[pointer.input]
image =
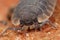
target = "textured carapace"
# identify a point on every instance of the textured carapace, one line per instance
(36, 12)
(29, 11)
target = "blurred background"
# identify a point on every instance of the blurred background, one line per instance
(47, 33)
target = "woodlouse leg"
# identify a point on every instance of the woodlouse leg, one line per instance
(24, 28)
(52, 24)
(19, 29)
(11, 28)
(3, 22)
(37, 26)
(1, 34)
(5, 29)
(32, 26)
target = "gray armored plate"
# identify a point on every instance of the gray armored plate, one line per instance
(31, 9)
(43, 10)
(47, 7)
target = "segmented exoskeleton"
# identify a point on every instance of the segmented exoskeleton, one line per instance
(28, 12)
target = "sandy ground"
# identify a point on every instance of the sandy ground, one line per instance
(47, 33)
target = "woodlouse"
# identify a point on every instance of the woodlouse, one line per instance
(36, 12)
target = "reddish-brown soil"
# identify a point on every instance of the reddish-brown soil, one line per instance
(47, 33)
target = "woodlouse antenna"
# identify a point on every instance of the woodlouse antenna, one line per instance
(3, 22)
